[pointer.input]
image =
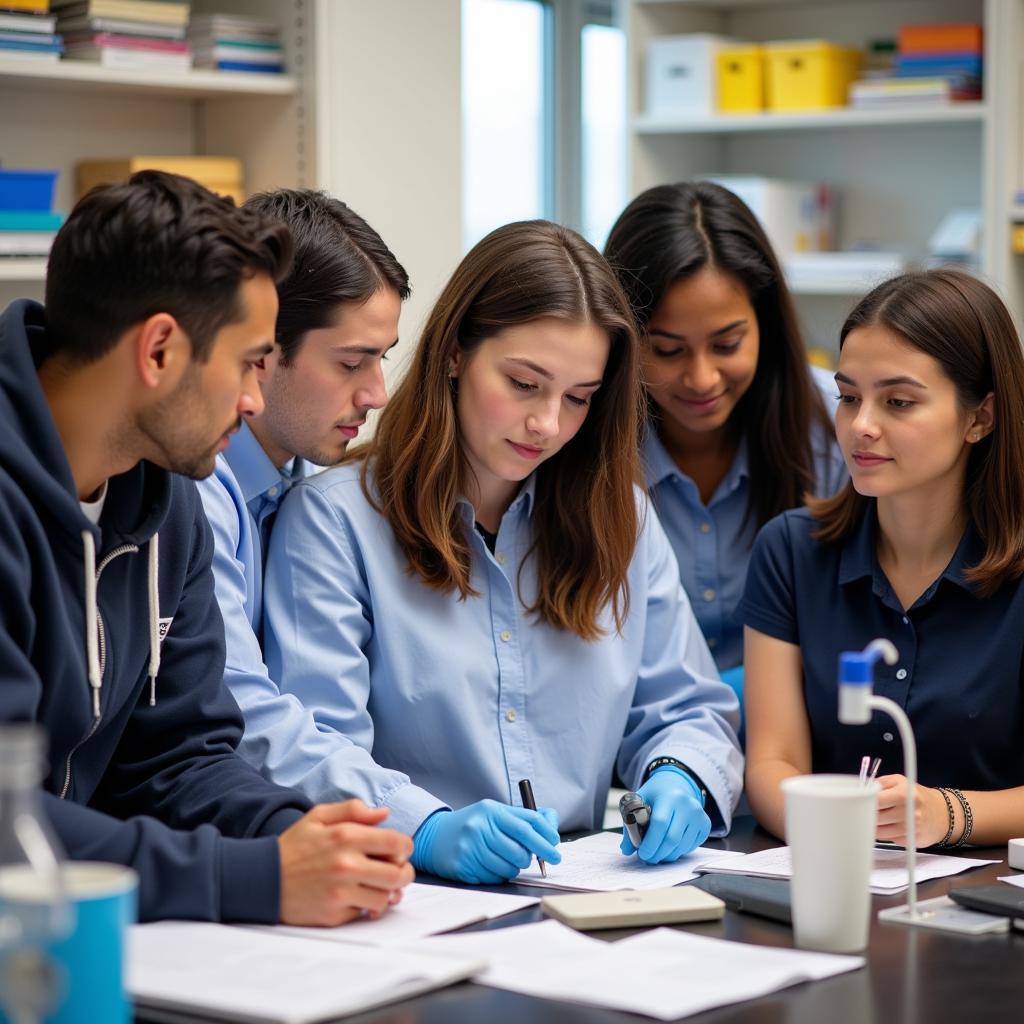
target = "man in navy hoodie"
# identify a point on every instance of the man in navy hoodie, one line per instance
(160, 303)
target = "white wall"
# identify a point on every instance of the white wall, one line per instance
(388, 96)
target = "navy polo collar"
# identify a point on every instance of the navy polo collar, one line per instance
(859, 557)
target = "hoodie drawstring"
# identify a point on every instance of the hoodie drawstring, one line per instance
(154, 615)
(92, 647)
(92, 626)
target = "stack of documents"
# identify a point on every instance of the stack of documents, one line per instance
(280, 973)
(596, 864)
(888, 874)
(424, 910)
(243, 974)
(661, 973)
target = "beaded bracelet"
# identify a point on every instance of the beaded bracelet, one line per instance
(952, 818)
(968, 818)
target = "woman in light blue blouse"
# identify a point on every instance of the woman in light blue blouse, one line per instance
(740, 426)
(482, 595)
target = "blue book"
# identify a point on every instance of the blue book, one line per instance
(241, 65)
(30, 220)
(938, 65)
(6, 44)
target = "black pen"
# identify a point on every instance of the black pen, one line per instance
(526, 792)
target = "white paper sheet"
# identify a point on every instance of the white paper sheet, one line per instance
(888, 875)
(596, 864)
(1017, 880)
(241, 974)
(424, 910)
(679, 974)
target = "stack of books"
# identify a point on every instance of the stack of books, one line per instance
(934, 64)
(220, 174)
(26, 31)
(140, 34)
(28, 224)
(234, 42)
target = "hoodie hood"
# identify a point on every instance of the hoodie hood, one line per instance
(136, 505)
(34, 456)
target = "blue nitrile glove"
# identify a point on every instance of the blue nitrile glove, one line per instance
(678, 823)
(486, 842)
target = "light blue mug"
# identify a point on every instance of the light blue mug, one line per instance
(86, 966)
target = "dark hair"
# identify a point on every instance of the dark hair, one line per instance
(585, 517)
(338, 258)
(963, 325)
(672, 232)
(159, 244)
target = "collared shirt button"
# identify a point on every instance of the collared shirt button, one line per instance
(506, 636)
(273, 491)
(887, 736)
(705, 527)
(906, 621)
(901, 673)
(510, 715)
(709, 595)
(500, 556)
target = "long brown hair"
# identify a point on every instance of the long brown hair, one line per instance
(585, 517)
(963, 325)
(671, 232)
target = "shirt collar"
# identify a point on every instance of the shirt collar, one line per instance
(524, 499)
(252, 467)
(859, 557)
(658, 465)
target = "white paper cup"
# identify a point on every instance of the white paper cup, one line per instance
(830, 828)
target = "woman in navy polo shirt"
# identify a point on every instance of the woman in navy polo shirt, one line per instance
(740, 426)
(925, 546)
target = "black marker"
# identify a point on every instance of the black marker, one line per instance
(526, 792)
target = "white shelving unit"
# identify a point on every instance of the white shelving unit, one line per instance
(195, 84)
(844, 117)
(52, 116)
(897, 171)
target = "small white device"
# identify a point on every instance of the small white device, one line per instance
(633, 909)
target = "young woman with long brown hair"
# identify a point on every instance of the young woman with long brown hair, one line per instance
(924, 547)
(740, 426)
(482, 596)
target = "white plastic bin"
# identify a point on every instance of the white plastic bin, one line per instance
(682, 75)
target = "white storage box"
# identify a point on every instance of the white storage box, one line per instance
(681, 74)
(797, 216)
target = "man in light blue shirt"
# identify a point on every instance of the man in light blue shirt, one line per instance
(338, 318)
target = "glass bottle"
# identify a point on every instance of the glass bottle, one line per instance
(33, 908)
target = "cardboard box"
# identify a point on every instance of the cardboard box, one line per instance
(220, 174)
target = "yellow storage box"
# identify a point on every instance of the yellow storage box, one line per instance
(809, 75)
(220, 174)
(740, 80)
